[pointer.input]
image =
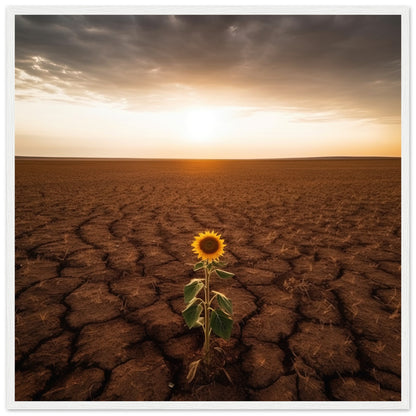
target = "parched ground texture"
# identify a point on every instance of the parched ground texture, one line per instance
(103, 253)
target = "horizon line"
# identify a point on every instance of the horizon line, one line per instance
(207, 159)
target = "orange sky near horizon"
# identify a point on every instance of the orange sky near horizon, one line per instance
(219, 87)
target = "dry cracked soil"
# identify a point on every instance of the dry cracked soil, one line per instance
(102, 253)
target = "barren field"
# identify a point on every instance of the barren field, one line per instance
(103, 251)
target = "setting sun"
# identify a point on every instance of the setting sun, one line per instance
(201, 125)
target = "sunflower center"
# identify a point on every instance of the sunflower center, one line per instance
(209, 245)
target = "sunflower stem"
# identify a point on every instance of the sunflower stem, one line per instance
(207, 331)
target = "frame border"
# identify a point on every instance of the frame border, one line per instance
(404, 12)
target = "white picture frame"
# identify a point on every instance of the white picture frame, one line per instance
(108, 10)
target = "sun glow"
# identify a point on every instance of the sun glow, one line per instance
(201, 125)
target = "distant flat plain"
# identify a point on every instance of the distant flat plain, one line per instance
(103, 250)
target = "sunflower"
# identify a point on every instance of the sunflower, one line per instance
(208, 245)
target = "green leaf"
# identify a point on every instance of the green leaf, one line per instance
(223, 274)
(199, 266)
(192, 289)
(191, 314)
(221, 324)
(224, 303)
(219, 264)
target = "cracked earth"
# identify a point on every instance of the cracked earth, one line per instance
(103, 253)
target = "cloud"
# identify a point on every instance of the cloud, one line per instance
(341, 64)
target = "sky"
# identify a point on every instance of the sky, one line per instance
(200, 86)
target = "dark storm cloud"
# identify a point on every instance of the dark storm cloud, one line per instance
(343, 63)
